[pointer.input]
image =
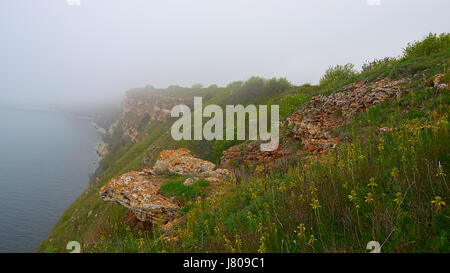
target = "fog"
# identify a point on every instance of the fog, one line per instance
(52, 52)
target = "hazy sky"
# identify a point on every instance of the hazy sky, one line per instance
(54, 52)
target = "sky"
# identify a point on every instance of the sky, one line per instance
(75, 51)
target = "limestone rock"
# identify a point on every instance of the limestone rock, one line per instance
(439, 84)
(102, 149)
(314, 122)
(181, 162)
(140, 194)
(312, 125)
(189, 181)
(217, 175)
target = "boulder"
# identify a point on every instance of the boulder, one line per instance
(217, 175)
(140, 194)
(182, 162)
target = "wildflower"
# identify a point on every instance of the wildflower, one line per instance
(440, 170)
(345, 185)
(315, 204)
(394, 172)
(369, 198)
(313, 188)
(399, 199)
(381, 144)
(312, 240)
(353, 196)
(141, 243)
(372, 183)
(228, 244)
(301, 231)
(438, 203)
(262, 244)
(238, 241)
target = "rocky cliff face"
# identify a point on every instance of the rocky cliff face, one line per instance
(142, 106)
(313, 124)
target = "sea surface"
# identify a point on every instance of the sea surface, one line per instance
(45, 162)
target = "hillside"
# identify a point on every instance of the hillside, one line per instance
(363, 157)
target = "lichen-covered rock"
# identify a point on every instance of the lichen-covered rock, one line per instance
(217, 175)
(140, 194)
(313, 124)
(439, 84)
(189, 181)
(181, 162)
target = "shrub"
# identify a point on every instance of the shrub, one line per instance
(291, 103)
(337, 76)
(377, 63)
(430, 45)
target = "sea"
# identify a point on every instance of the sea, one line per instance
(45, 162)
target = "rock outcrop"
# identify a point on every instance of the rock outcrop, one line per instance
(217, 175)
(313, 124)
(140, 191)
(181, 162)
(102, 149)
(439, 83)
(144, 105)
(140, 194)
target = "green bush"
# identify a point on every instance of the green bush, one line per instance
(377, 63)
(337, 76)
(430, 45)
(291, 103)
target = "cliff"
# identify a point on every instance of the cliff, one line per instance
(142, 106)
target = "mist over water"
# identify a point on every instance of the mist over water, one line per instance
(45, 160)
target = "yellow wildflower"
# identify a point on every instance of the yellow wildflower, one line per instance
(369, 198)
(315, 204)
(372, 183)
(438, 203)
(311, 240)
(301, 231)
(353, 196)
(399, 199)
(395, 172)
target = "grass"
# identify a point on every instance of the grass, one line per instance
(184, 193)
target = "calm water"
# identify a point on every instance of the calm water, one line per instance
(45, 160)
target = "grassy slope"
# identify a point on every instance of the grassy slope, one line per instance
(262, 213)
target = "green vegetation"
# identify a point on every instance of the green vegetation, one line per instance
(338, 76)
(386, 182)
(182, 192)
(432, 44)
